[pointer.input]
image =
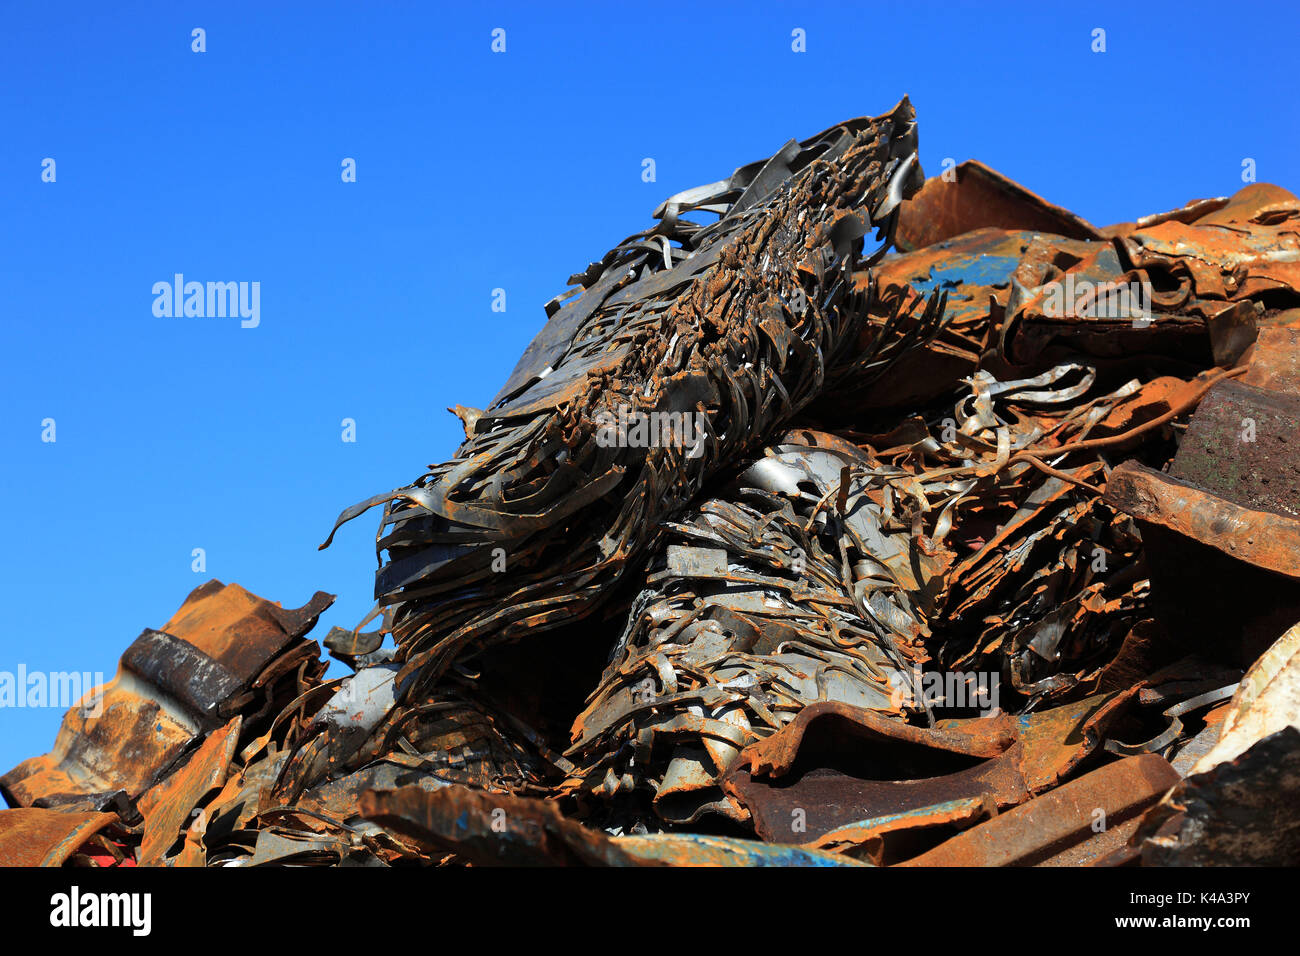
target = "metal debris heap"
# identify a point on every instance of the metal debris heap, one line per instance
(779, 547)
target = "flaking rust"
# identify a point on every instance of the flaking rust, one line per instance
(839, 518)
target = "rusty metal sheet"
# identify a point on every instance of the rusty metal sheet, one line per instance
(1045, 828)
(888, 839)
(1275, 360)
(238, 630)
(972, 196)
(166, 808)
(500, 830)
(846, 778)
(1241, 445)
(38, 837)
(1239, 260)
(1264, 539)
(168, 693)
(104, 761)
(1189, 212)
(776, 755)
(491, 829)
(974, 271)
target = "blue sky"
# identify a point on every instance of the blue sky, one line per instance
(475, 171)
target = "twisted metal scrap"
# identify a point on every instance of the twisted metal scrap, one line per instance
(1056, 583)
(739, 322)
(769, 659)
(823, 573)
(786, 590)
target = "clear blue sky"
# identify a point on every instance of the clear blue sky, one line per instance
(475, 171)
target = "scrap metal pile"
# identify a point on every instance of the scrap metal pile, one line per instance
(842, 517)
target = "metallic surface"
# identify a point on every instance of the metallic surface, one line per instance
(781, 547)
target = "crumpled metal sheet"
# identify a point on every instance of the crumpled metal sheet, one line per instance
(864, 784)
(972, 197)
(746, 637)
(225, 652)
(501, 830)
(167, 807)
(786, 590)
(1062, 826)
(1262, 538)
(1220, 264)
(740, 322)
(31, 836)
(974, 270)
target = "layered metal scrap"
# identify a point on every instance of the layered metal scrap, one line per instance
(742, 322)
(781, 548)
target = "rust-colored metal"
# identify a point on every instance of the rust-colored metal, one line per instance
(1275, 360)
(843, 777)
(877, 557)
(1048, 826)
(490, 829)
(1241, 445)
(166, 808)
(775, 755)
(972, 196)
(1239, 812)
(35, 837)
(1263, 539)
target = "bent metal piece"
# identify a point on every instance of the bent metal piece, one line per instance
(723, 330)
(1050, 825)
(37, 837)
(225, 652)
